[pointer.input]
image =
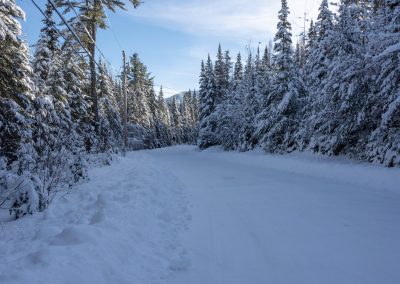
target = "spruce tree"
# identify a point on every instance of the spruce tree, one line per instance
(76, 83)
(220, 77)
(207, 122)
(164, 120)
(140, 84)
(279, 118)
(176, 121)
(320, 56)
(384, 142)
(110, 137)
(46, 47)
(250, 104)
(346, 131)
(16, 117)
(232, 119)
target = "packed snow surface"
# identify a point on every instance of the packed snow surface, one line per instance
(122, 226)
(178, 215)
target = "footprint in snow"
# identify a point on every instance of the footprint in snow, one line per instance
(98, 217)
(73, 236)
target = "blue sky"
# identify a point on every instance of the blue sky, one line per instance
(173, 36)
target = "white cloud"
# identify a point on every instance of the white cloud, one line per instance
(228, 19)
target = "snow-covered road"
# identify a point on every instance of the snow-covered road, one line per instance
(286, 219)
(181, 216)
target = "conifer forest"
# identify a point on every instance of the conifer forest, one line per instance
(335, 92)
(60, 109)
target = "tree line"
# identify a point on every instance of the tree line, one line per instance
(337, 92)
(60, 110)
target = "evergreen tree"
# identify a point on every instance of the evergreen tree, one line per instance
(15, 71)
(46, 47)
(56, 140)
(237, 74)
(279, 119)
(76, 85)
(384, 141)
(220, 77)
(18, 183)
(227, 71)
(251, 104)
(207, 123)
(164, 120)
(320, 56)
(186, 118)
(176, 121)
(162, 107)
(232, 118)
(194, 109)
(311, 39)
(140, 84)
(110, 122)
(346, 130)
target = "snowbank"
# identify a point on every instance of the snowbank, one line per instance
(121, 227)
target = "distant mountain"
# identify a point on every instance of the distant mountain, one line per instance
(179, 97)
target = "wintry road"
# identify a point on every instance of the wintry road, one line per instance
(259, 219)
(252, 219)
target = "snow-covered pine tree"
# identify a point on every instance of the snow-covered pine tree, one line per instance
(15, 70)
(347, 129)
(320, 56)
(176, 122)
(76, 82)
(18, 183)
(297, 55)
(140, 116)
(207, 123)
(164, 120)
(186, 118)
(233, 116)
(110, 128)
(139, 85)
(250, 104)
(194, 110)
(55, 134)
(227, 71)
(279, 119)
(221, 78)
(45, 49)
(310, 40)
(237, 74)
(264, 77)
(223, 68)
(81, 116)
(384, 142)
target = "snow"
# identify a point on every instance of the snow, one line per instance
(178, 97)
(180, 215)
(121, 227)
(260, 218)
